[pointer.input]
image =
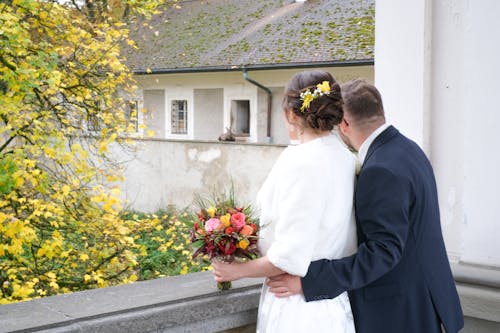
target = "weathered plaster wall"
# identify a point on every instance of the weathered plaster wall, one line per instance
(164, 172)
(208, 113)
(154, 119)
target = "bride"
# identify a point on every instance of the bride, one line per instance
(306, 206)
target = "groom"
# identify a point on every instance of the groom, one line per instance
(400, 279)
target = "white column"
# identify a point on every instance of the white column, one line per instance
(402, 63)
(481, 127)
(437, 67)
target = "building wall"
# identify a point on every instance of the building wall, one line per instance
(171, 172)
(438, 72)
(208, 107)
(205, 118)
(279, 132)
(466, 91)
(447, 103)
(154, 119)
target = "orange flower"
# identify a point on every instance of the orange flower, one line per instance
(246, 230)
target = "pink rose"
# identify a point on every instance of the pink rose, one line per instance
(212, 224)
(238, 220)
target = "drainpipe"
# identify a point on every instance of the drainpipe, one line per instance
(269, 101)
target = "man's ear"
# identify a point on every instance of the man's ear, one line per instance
(343, 126)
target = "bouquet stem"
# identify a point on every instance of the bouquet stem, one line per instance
(224, 285)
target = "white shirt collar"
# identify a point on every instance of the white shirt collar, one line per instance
(363, 150)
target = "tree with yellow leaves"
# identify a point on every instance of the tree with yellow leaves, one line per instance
(63, 102)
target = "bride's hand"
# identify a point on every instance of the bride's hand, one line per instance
(224, 272)
(284, 285)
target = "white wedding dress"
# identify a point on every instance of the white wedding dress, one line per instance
(306, 213)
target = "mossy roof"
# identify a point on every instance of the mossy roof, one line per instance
(201, 34)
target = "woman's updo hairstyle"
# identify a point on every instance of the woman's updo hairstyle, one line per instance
(324, 111)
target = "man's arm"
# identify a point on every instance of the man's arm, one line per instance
(382, 207)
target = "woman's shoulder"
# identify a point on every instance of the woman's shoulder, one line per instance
(318, 153)
(325, 147)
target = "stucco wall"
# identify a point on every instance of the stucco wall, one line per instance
(208, 110)
(164, 172)
(154, 103)
(279, 132)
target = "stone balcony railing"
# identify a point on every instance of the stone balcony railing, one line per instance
(185, 303)
(192, 303)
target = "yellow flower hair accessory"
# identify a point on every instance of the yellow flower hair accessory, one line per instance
(307, 96)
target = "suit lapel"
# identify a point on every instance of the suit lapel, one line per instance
(383, 137)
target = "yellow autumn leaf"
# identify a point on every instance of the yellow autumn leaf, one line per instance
(13, 228)
(21, 292)
(65, 190)
(103, 147)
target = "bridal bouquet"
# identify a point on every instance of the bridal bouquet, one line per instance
(224, 231)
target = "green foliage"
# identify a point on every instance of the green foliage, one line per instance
(7, 169)
(164, 244)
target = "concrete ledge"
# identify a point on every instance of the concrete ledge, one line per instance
(186, 303)
(480, 275)
(480, 302)
(212, 142)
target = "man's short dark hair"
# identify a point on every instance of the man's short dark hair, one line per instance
(362, 100)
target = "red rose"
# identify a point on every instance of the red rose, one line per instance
(229, 231)
(254, 227)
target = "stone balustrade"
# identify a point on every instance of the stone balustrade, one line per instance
(185, 303)
(192, 303)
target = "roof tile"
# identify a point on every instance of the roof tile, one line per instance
(216, 33)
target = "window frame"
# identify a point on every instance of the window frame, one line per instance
(181, 93)
(250, 95)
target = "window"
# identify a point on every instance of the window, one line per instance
(132, 114)
(240, 117)
(178, 119)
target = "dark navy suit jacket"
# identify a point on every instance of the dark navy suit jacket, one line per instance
(400, 279)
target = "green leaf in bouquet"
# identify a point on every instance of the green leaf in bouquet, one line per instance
(198, 243)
